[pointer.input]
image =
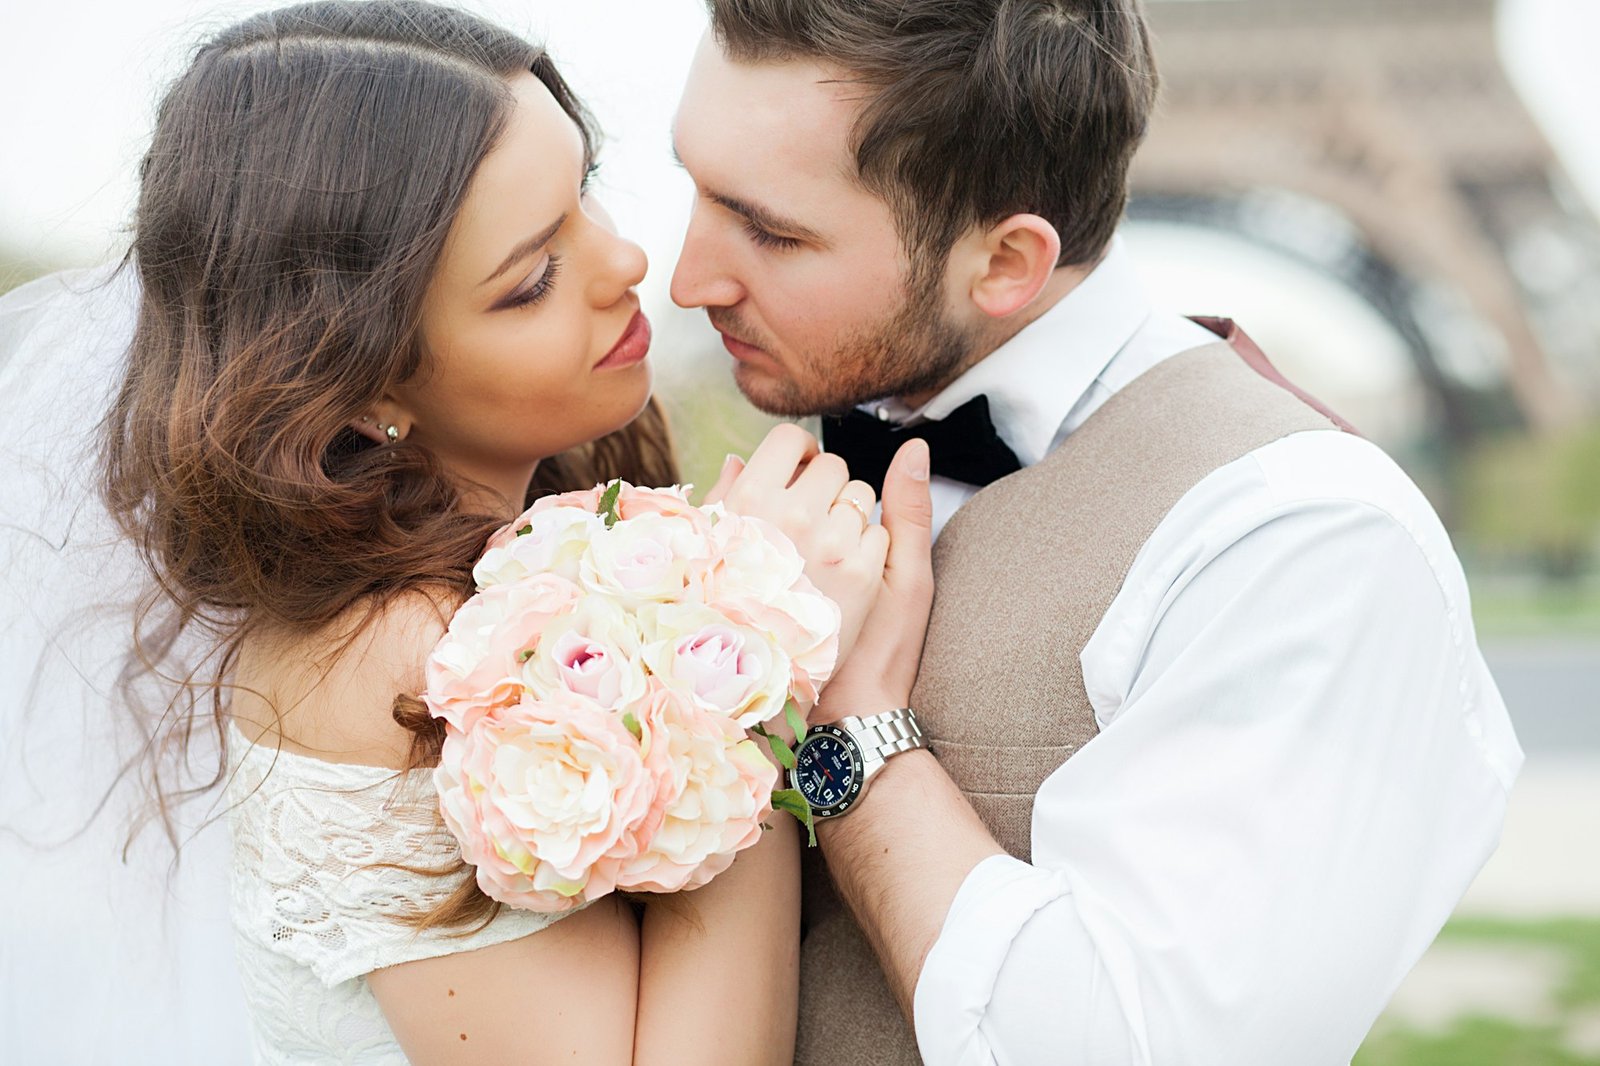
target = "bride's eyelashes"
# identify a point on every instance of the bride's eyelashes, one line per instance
(539, 289)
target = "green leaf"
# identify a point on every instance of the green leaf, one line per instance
(608, 503)
(780, 749)
(632, 725)
(790, 799)
(524, 655)
(797, 721)
(525, 530)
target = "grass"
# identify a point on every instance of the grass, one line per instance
(1478, 1039)
(1473, 1041)
(1501, 609)
(1578, 939)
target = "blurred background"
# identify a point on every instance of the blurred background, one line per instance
(1396, 198)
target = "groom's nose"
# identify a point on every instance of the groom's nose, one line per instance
(703, 277)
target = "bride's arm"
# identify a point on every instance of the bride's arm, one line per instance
(566, 994)
(709, 977)
(719, 974)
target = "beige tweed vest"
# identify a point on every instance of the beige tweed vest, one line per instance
(1023, 573)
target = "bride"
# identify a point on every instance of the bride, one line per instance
(379, 313)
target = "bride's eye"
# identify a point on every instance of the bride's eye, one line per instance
(540, 287)
(589, 174)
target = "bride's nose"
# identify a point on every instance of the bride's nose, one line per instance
(621, 265)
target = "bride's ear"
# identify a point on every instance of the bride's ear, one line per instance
(1019, 256)
(385, 424)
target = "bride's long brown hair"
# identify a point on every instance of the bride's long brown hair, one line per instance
(303, 177)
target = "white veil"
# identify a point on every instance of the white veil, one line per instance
(101, 959)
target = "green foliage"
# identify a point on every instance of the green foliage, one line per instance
(18, 268)
(780, 749)
(1474, 1041)
(1576, 938)
(796, 720)
(1536, 498)
(608, 503)
(789, 799)
(1479, 1038)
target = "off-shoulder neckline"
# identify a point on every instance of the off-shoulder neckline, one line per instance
(248, 749)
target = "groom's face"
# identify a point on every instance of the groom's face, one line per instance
(799, 267)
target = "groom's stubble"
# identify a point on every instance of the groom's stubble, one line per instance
(916, 348)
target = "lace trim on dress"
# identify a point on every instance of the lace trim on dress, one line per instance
(310, 840)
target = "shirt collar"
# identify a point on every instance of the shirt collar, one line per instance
(1034, 379)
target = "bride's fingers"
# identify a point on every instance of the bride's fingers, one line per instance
(875, 547)
(858, 497)
(816, 490)
(732, 467)
(772, 465)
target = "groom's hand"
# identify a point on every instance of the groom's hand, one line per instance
(882, 669)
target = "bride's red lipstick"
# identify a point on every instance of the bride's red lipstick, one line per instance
(631, 347)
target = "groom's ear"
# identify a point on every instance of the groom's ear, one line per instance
(1013, 261)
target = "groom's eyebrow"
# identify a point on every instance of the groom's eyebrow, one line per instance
(767, 220)
(758, 215)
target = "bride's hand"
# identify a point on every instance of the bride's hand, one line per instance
(881, 576)
(809, 496)
(881, 670)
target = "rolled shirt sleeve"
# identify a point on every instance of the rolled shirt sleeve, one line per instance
(1301, 766)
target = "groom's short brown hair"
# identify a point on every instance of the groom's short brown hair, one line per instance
(976, 109)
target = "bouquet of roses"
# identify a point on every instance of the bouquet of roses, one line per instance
(599, 691)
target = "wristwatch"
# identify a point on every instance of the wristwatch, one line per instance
(834, 762)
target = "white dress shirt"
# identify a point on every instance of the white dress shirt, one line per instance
(1302, 759)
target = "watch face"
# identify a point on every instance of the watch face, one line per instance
(828, 770)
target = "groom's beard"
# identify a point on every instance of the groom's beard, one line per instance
(915, 348)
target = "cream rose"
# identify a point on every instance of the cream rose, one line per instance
(713, 790)
(645, 559)
(549, 540)
(475, 668)
(547, 800)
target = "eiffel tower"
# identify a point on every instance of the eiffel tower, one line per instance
(1379, 141)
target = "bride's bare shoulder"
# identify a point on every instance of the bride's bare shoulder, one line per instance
(330, 694)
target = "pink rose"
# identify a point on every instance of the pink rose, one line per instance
(547, 800)
(671, 503)
(721, 667)
(592, 651)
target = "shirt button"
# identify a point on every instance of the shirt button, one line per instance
(883, 414)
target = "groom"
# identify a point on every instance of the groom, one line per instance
(1212, 753)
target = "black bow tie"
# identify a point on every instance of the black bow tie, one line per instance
(962, 446)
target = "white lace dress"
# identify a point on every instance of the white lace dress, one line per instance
(313, 914)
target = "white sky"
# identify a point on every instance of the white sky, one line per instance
(79, 80)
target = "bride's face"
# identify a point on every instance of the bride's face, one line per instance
(534, 338)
